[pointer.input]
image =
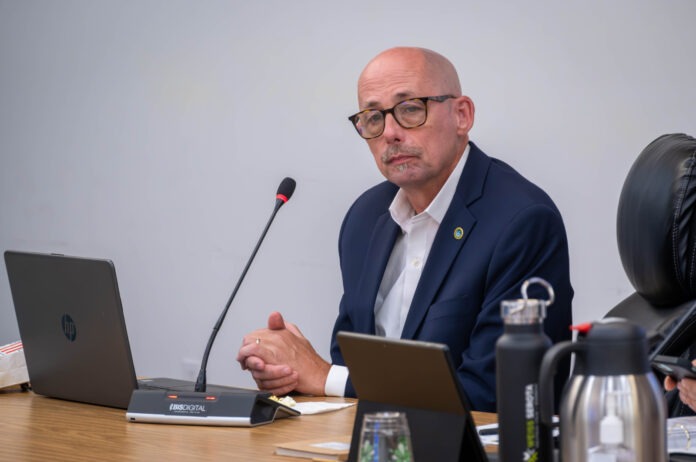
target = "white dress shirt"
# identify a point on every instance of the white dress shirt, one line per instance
(405, 265)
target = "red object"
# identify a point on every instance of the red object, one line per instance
(583, 328)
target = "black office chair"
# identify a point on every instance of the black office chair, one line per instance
(656, 233)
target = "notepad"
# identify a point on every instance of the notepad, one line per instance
(322, 448)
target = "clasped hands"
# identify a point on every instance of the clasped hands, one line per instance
(282, 360)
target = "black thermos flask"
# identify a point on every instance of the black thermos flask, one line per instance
(519, 352)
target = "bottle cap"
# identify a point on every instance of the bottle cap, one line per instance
(527, 310)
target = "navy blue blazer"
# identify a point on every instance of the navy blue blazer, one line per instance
(512, 231)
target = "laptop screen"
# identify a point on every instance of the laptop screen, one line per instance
(71, 323)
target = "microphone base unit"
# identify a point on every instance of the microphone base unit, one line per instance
(245, 408)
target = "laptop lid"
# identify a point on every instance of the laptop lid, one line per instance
(413, 375)
(71, 324)
(76, 346)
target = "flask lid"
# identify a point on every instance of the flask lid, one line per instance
(527, 310)
(615, 346)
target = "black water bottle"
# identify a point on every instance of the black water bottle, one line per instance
(519, 352)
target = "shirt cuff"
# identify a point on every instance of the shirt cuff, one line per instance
(336, 381)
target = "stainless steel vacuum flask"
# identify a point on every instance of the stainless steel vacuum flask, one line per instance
(614, 409)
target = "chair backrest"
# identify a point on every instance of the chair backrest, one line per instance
(656, 233)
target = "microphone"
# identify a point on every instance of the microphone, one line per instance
(233, 407)
(284, 193)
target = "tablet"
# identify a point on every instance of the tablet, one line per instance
(417, 378)
(403, 372)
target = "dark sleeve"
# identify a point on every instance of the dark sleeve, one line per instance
(533, 244)
(343, 321)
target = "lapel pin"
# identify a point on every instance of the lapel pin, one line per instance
(458, 233)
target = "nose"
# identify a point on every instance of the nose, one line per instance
(393, 132)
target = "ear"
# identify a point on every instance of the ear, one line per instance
(465, 109)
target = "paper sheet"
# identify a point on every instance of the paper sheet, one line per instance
(319, 407)
(13, 368)
(681, 435)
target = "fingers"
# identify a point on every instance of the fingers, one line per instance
(687, 392)
(251, 363)
(274, 375)
(278, 380)
(294, 329)
(669, 383)
(254, 345)
(250, 354)
(687, 389)
(281, 359)
(249, 350)
(254, 363)
(275, 321)
(686, 400)
(278, 391)
(264, 349)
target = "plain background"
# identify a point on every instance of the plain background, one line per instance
(155, 133)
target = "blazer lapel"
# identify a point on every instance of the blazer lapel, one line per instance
(380, 248)
(449, 240)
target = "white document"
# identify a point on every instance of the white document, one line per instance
(681, 435)
(13, 367)
(319, 407)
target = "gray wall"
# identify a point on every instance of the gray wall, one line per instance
(154, 133)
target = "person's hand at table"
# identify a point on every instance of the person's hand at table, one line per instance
(282, 360)
(686, 387)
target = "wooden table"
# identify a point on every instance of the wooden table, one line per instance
(35, 428)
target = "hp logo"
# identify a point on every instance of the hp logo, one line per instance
(69, 328)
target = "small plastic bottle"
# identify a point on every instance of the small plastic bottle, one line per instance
(611, 446)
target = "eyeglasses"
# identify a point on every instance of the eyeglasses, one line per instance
(409, 113)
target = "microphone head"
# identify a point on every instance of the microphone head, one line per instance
(285, 189)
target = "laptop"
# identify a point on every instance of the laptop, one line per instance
(72, 327)
(418, 378)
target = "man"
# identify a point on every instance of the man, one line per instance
(430, 253)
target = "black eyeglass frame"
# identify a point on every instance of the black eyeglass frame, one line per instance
(424, 99)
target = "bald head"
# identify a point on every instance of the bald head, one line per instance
(399, 64)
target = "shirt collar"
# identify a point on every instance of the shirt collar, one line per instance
(402, 212)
